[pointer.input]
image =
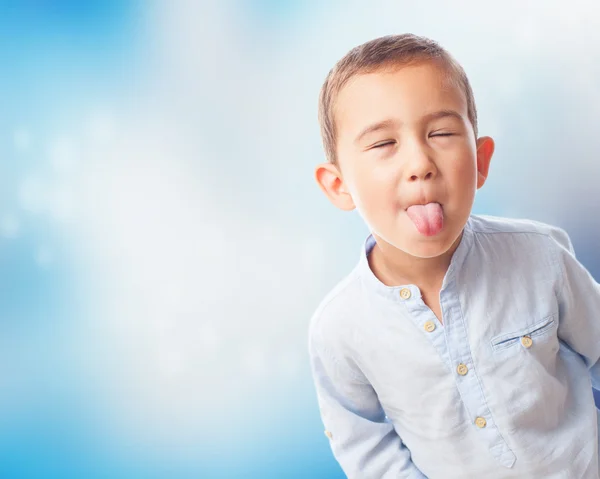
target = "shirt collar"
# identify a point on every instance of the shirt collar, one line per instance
(373, 284)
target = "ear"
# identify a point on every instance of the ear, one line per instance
(485, 150)
(329, 179)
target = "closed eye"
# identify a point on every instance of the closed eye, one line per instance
(443, 134)
(380, 145)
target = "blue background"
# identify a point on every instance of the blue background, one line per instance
(162, 241)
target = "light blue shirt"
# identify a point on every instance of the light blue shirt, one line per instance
(501, 389)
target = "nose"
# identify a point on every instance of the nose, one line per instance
(420, 165)
(422, 176)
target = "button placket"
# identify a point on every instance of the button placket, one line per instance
(424, 319)
(467, 382)
(418, 306)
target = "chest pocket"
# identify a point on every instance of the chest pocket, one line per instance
(526, 337)
(526, 362)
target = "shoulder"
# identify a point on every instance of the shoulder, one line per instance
(335, 315)
(499, 224)
(530, 231)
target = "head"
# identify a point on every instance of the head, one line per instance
(399, 128)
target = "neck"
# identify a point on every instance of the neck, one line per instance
(394, 267)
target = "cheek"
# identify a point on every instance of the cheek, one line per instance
(463, 172)
(375, 192)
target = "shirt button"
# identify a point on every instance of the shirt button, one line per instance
(328, 434)
(480, 422)
(429, 326)
(405, 293)
(462, 369)
(526, 341)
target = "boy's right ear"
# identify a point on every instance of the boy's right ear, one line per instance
(330, 181)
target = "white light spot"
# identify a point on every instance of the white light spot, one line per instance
(9, 226)
(62, 153)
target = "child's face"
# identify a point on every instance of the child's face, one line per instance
(406, 162)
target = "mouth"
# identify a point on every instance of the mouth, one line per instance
(428, 218)
(423, 203)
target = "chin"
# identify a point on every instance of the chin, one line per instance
(431, 246)
(431, 250)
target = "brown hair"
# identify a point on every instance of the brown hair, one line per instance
(388, 52)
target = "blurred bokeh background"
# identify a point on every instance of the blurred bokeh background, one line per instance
(162, 241)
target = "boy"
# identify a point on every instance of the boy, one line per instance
(461, 346)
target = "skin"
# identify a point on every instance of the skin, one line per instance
(406, 162)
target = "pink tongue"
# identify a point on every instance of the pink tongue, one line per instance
(428, 218)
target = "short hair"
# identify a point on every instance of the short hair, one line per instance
(385, 53)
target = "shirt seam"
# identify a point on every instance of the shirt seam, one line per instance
(475, 230)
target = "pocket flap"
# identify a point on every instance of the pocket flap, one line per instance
(534, 330)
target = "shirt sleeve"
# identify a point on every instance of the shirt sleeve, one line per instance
(579, 306)
(362, 439)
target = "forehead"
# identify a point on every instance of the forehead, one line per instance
(405, 93)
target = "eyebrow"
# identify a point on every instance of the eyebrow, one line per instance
(382, 125)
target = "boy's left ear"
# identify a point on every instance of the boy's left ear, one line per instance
(485, 150)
